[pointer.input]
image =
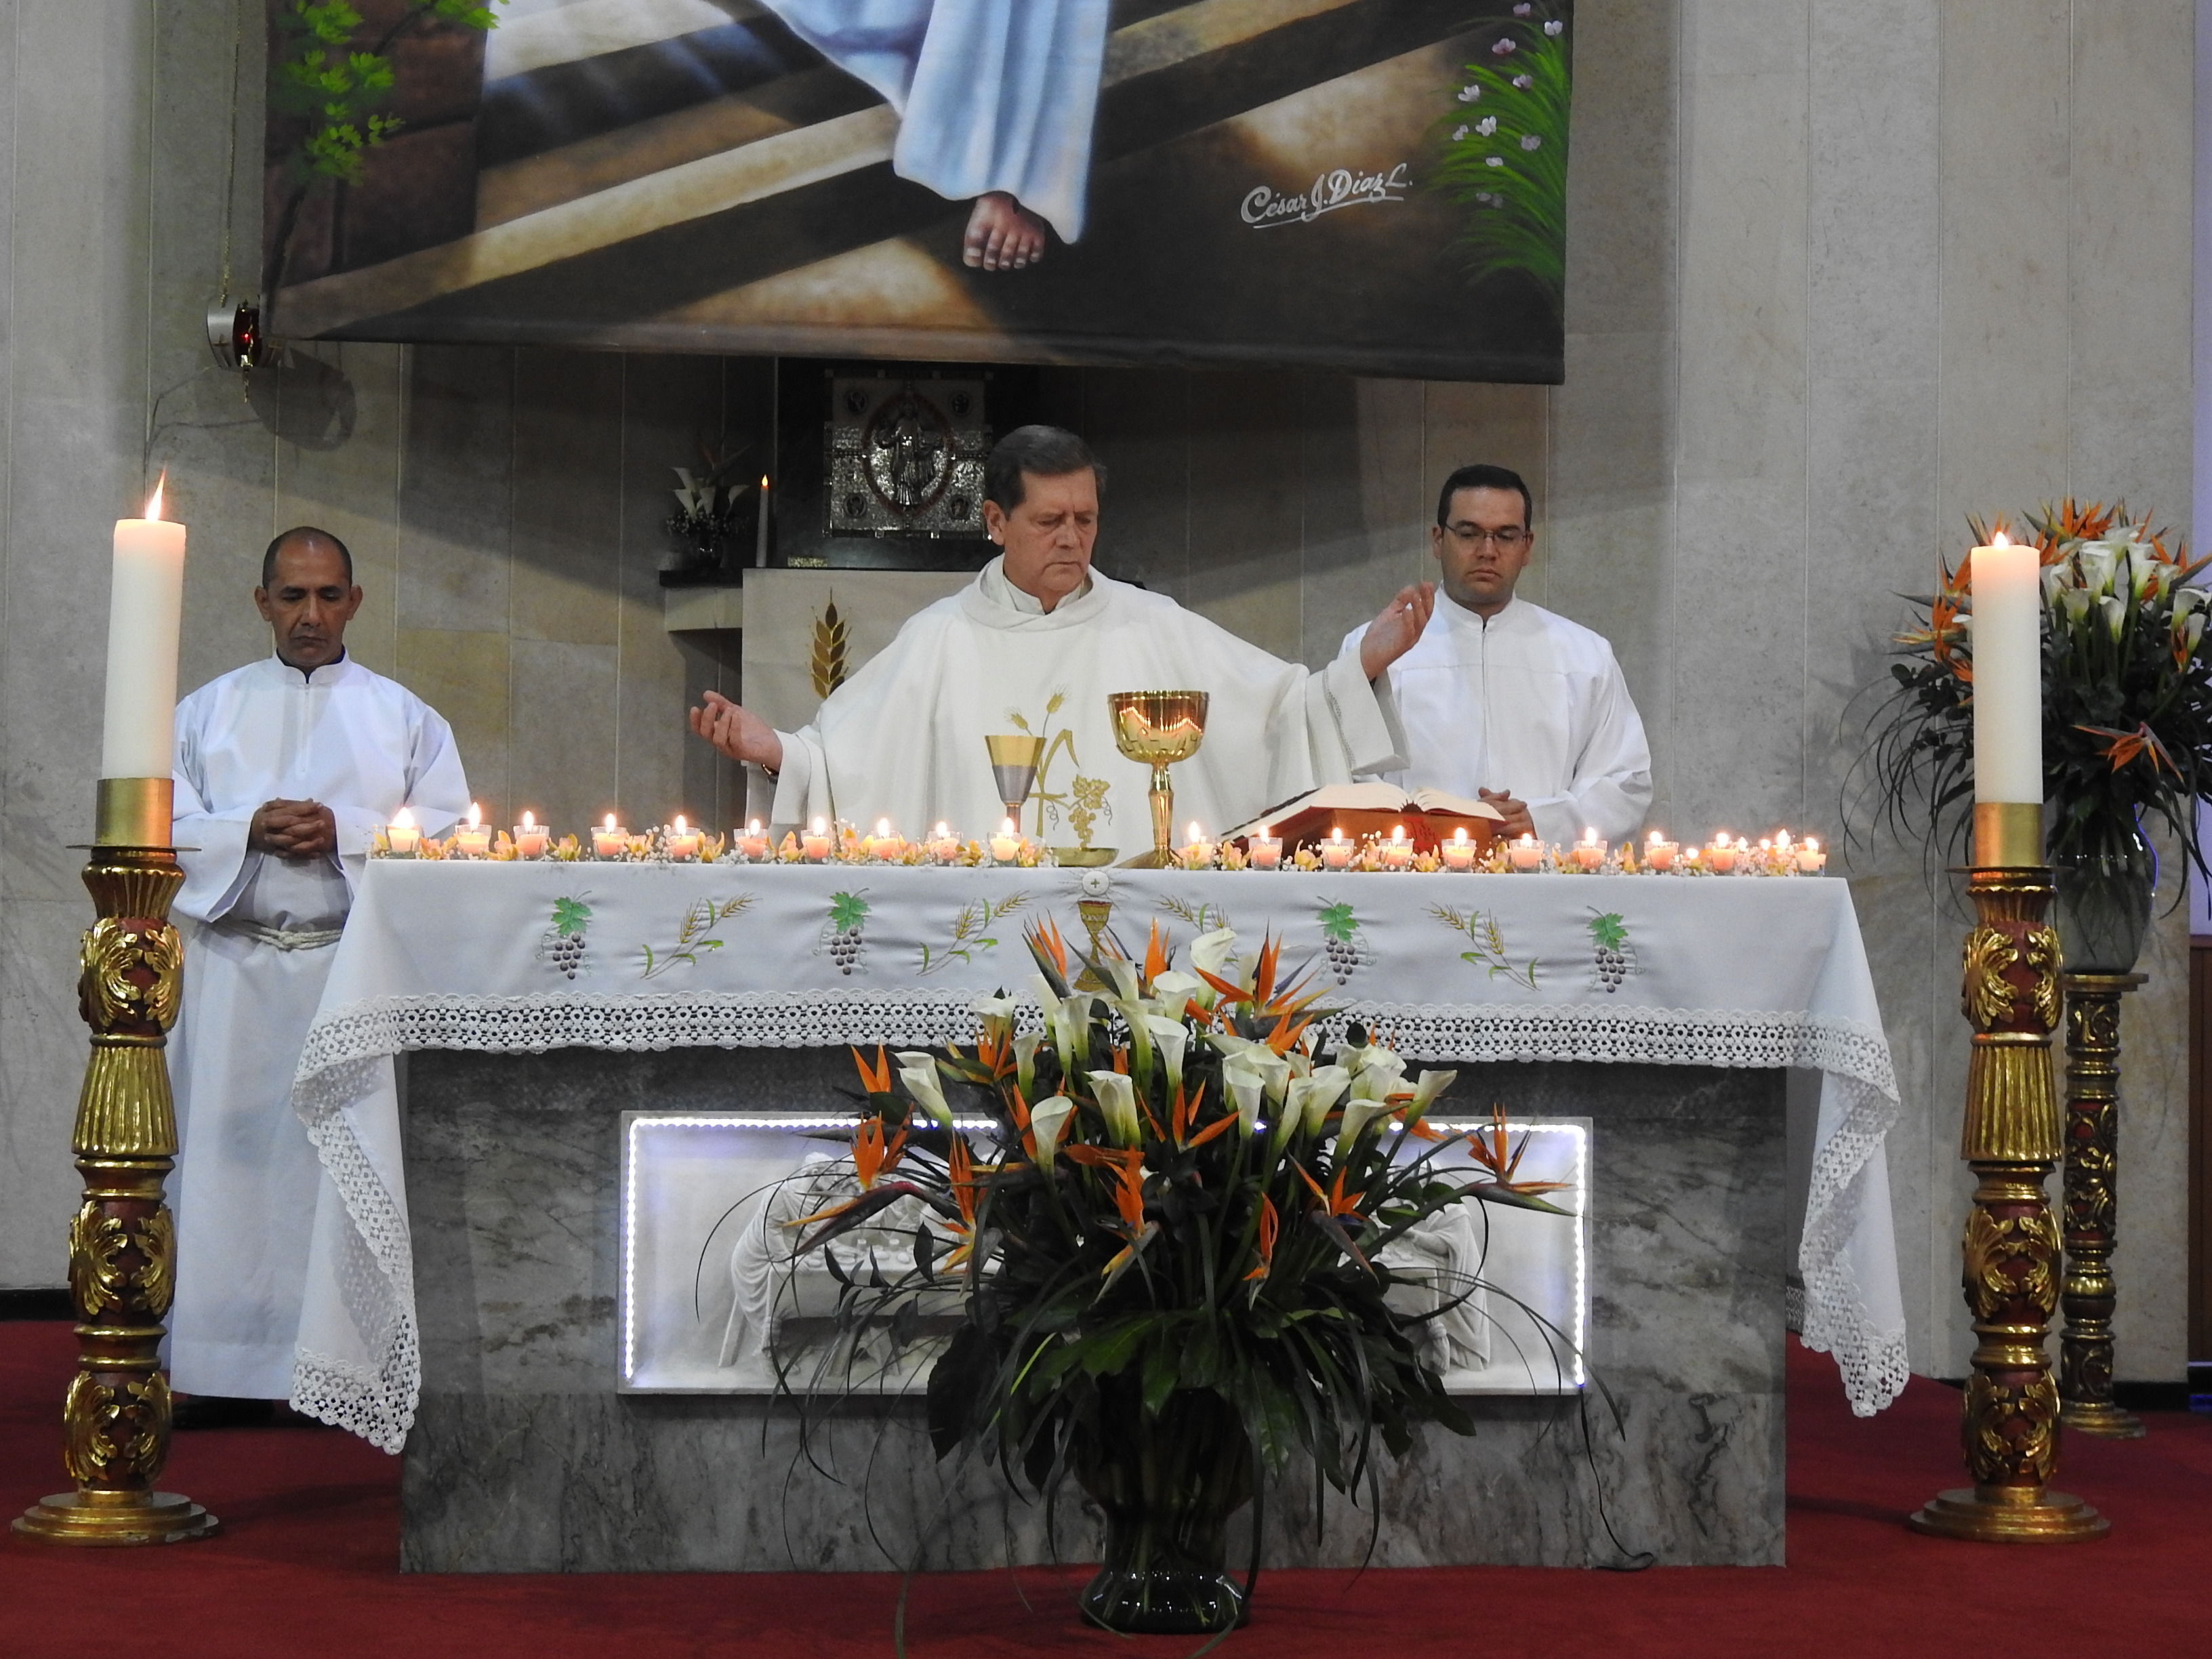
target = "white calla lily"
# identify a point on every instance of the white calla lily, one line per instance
(1426, 1088)
(1215, 953)
(1048, 1118)
(1323, 1090)
(2115, 613)
(2095, 561)
(919, 1072)
(1025, 1047)
(1171, 1038)
(1123, 973)
(1117, 1103)
(1246, 1086)
(1357, 1114)
(1172, 990)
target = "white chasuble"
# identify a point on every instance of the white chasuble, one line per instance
(258, 932)
(904, 738)
(1528, 702)
(990, 94)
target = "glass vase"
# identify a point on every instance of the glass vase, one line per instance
(1169, 1486)
(2104, 904)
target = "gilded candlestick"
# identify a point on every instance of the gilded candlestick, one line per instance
(2092, 1204)
(2009, 1415)
(123, 1253)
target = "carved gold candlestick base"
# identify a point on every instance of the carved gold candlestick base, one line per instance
(2009, 1415)
(2092, 1204)
(123, 1254)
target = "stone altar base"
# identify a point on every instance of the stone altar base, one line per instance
(524, 1458)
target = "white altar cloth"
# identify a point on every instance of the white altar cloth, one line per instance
(1689, 971)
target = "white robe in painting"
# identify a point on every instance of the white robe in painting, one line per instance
(904, 738)
(990, 94)
(258, 932)
(1525, 701)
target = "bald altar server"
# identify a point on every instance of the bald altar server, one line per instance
(283, 770)
(1505, 700)
(1037, 642)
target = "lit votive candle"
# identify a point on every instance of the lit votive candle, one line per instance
(1459, 852)
(752, 845)
(943, 845)
(1589, 850)
(1265, 850)
(1336, 852)
(1397, 853)
(1527, 853)
(1720, 856)
(1811, 860)
(530, 838)
(1659, 852)
(1196, 851)
(472, 838)
(403, 836)
(815, 843)
(1007, 845)
(681, 841)
(887, 846)
(609, 839)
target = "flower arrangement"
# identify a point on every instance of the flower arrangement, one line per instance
(2127, 691)
(1174, 1248)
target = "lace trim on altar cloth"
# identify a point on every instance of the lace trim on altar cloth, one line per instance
(376, 1400)
(374, 1397)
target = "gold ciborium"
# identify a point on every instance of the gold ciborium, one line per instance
(1014, 762)
(1157, 729)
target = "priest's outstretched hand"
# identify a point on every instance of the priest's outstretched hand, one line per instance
(1396, 630)
(737, 731)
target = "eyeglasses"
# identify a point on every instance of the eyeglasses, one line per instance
(1474, 535)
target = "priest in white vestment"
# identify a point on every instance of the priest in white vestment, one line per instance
(1507, 701)
(995, 100)
(284, 768)
(1037, 644)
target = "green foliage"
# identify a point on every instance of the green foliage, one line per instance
(1504, 153)
(570, 916)
(322, 74)
(847, 912)
(1608, 931)
(1337, 922)
(2127, 693)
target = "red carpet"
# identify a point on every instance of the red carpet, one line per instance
(304, 1567)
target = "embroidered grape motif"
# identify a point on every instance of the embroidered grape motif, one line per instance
(1616, 958)
(840, 935)
(564, 942)
(1341, 935)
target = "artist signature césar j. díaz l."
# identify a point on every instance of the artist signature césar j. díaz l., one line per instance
(1340, 187)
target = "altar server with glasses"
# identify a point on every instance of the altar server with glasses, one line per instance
(1504, 699)
(285, 770)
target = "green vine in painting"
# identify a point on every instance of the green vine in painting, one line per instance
(1504, 153)
(322, 72)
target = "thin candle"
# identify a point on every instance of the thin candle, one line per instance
(2008, 704)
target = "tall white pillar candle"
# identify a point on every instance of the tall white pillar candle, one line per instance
(145, 608)
(2008, 674)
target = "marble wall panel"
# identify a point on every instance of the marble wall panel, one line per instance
(565, 532)
(1362, 475)
(467, 677)
(1245, 506)
(524, 1460)
(564, 742)
(1138, 421)
(456, 493)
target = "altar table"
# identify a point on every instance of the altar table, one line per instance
(1712, 971)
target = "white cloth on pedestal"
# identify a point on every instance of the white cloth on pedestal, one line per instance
(904, 738)
(990, 94)
(1528, 703)
(258, 931)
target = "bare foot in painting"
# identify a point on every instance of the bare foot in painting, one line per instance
(1002, 234)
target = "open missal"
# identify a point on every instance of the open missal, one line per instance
(1360, 810)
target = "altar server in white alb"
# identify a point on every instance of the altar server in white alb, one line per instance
(1039, 640)
(995, 100)
(284, 768)
(1505, 701)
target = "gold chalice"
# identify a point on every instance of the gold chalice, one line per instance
(1157, 729)
(1014, 762)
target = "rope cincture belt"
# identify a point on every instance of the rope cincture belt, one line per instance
(308, 939)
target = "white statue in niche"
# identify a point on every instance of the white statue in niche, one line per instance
(1445, 1251)
(773, 1284)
